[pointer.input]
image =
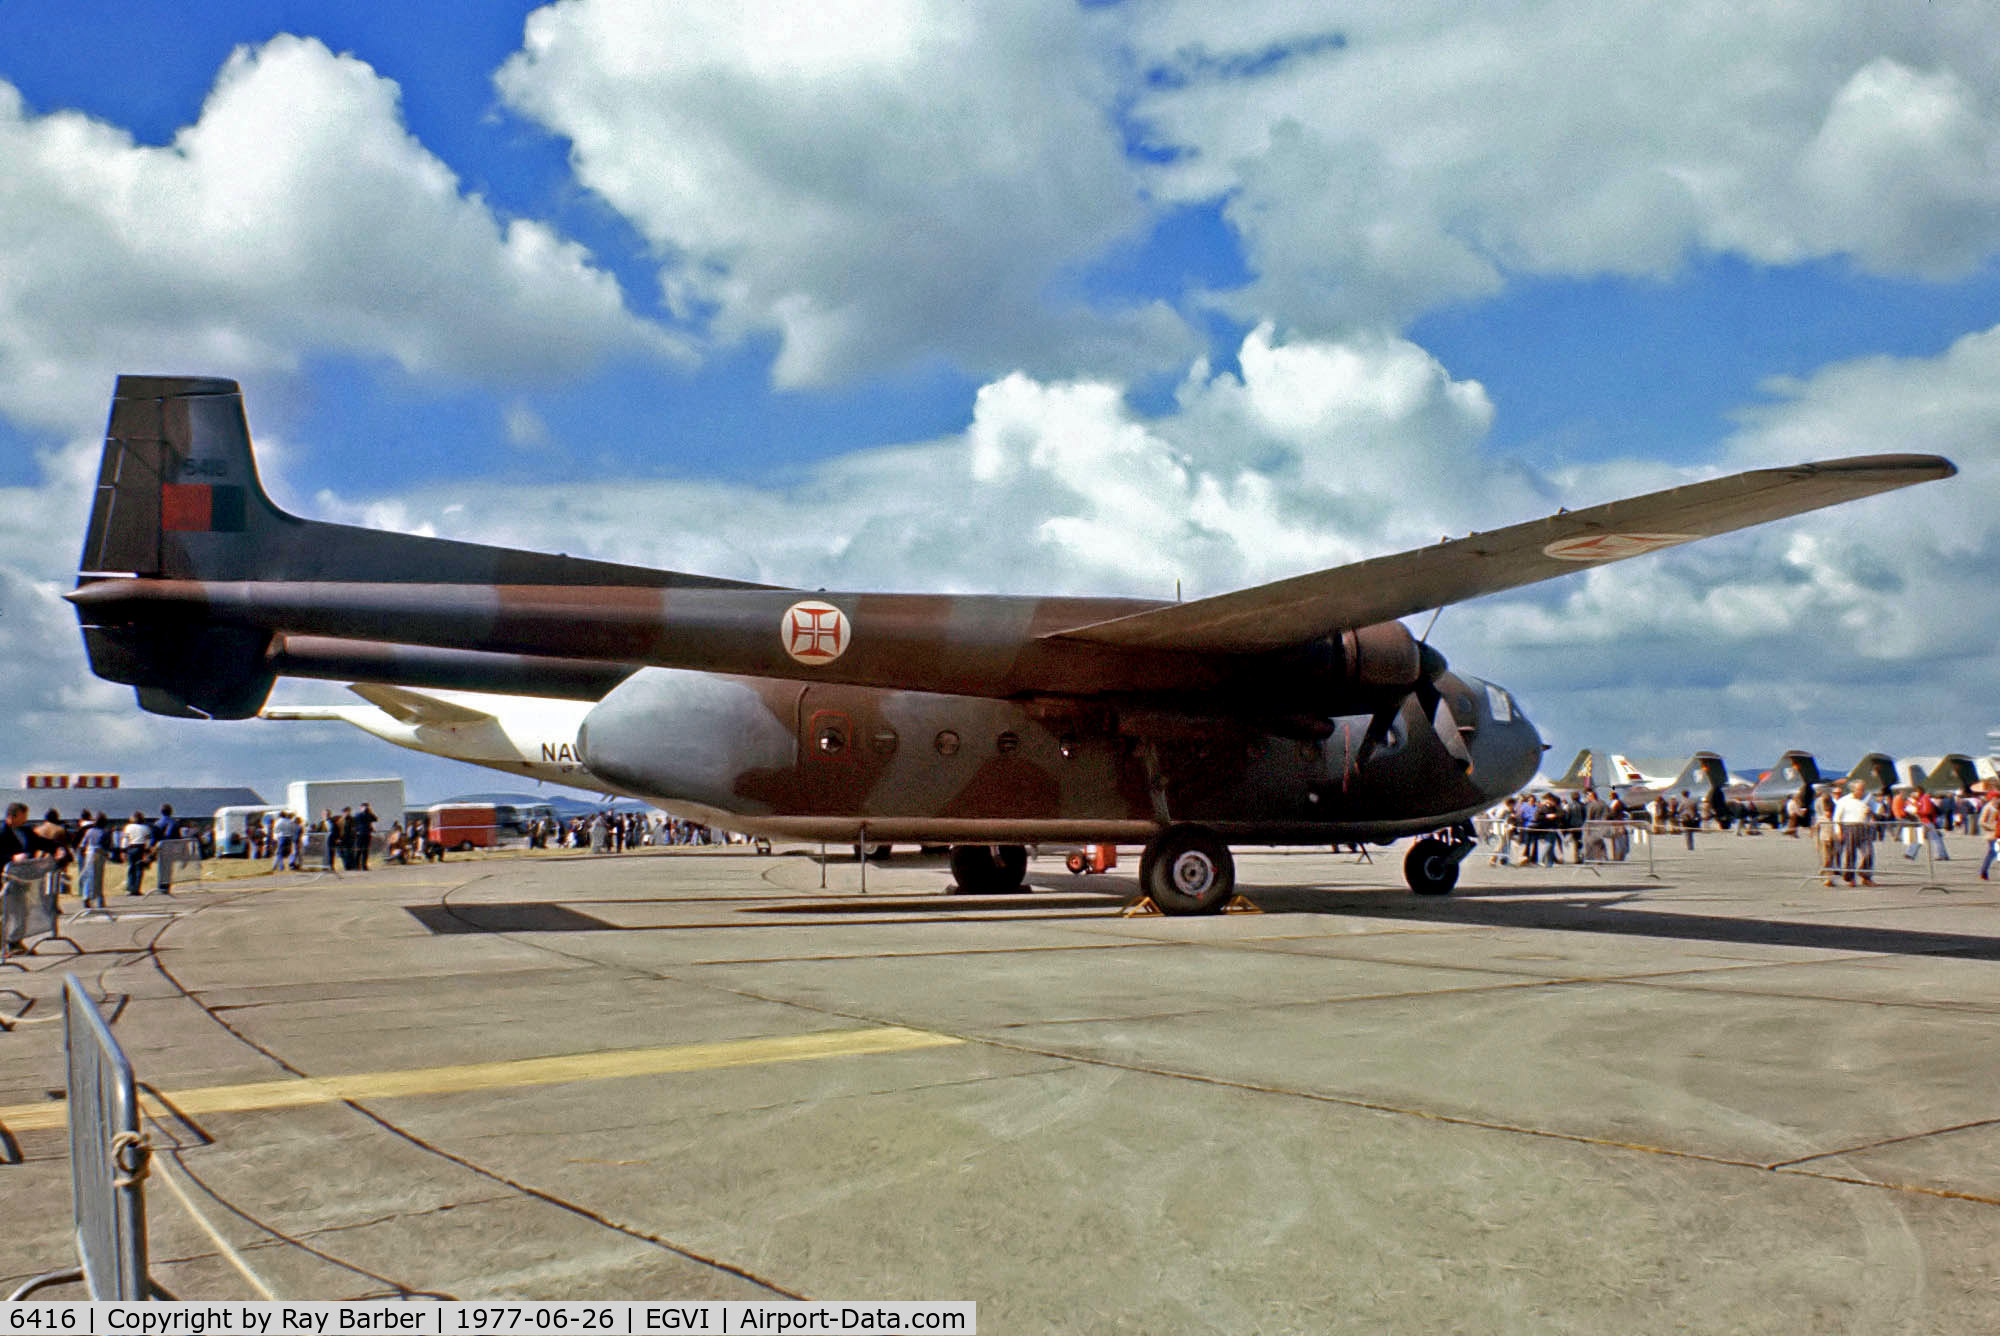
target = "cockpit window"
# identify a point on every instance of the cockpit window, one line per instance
(1497, 702)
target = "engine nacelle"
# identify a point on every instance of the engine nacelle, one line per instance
(1358, 670)
(1382, 655)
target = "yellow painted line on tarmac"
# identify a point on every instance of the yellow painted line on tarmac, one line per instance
(294, 1093)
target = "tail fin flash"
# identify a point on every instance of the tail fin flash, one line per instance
(177, 492)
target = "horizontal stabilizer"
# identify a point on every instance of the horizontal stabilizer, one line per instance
(1291, 612)
(343, 714)
(415, 708)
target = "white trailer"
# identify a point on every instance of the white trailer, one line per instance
(310, 799)
(232, 828)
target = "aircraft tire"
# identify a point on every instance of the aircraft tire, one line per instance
(1188, 870)
(989, 869)
(1430, 867)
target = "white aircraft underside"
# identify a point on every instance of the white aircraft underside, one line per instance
(522, 735)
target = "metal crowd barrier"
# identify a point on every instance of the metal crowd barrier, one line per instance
(29, 894)
(1593, 845)
(312, 852)
(108, 1160)
(178, 861)
(1883, 837)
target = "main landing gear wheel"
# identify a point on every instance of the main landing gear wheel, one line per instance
(1431, 867)
(1188, 870)
(989, 869)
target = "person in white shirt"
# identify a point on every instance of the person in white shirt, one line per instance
(285, 832)
(137, 837)
(1857, 843)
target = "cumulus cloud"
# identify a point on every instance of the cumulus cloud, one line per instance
(884, 184)
(1419, 154)
(877, 183)
(1317, 453)
(296, 216)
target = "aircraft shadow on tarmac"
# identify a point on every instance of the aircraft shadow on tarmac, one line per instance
(1595, 914)
(547, 916)
(524, 916)
(1094, 897)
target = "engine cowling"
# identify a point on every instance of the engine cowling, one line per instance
(1382, 655)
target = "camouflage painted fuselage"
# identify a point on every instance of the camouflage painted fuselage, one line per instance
(838, 762)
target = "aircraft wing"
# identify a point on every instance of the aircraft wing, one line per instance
(415, 707)
(1290, 612)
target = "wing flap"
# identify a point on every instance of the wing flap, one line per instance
(1292, 611)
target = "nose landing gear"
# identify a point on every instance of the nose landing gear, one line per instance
(1431, 866)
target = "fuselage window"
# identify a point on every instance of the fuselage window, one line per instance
(832, 740)
(947, 743)
(884, 742)
(1008, 743)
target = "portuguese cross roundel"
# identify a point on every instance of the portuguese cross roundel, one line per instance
(814, 633)
(1613, 546)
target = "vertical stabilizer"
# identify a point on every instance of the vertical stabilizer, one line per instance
(177, 490)
(178, 497)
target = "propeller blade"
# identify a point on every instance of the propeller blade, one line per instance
(1443, 722)
(1379, 725)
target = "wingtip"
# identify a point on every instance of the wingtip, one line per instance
(1914, 467)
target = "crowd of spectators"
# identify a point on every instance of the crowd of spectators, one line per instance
(615, 832)
(88, 847)
(1845, 820)
(346, 839)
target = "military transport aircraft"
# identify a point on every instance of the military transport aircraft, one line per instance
(1296, 711)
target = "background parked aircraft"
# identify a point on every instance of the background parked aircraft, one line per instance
(1952, 773)
(1794, 770)
(1876, 771)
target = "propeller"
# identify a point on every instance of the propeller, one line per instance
(1430, 666)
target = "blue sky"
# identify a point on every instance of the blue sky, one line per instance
(1342, 277)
